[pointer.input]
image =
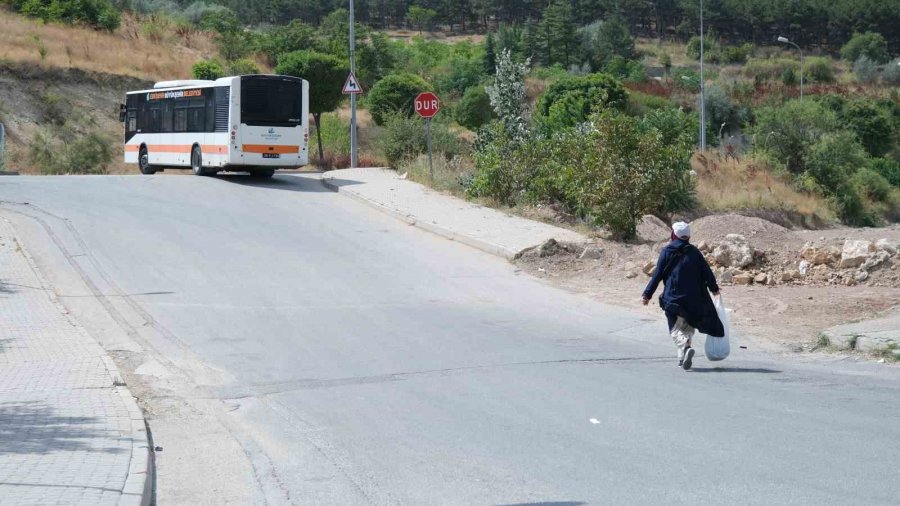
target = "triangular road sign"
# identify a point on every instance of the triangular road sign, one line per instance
(352, 87)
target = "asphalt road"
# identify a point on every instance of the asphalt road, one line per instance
(372, 363)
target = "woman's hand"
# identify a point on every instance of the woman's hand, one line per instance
(645, 300)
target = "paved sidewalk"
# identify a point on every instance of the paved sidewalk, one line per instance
(869, 335)
(487, 229)
(68, 434)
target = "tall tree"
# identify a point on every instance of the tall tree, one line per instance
(490, 56)
(326, 72)
(561, 38)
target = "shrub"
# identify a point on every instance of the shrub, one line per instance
(394, 94)
(818, 70)
(335, 135)
(507, 94)
(55, 109)
(613, 39)
(711, 50)
(891, 74)
(787, 131)
(721, 109)
(888, 168)
(687, 79)
(244, 66)
(873, 184)
(871, 124)
(207, 69)
(620, 171)
(65, 152)
(474, 109)
(639, 104)
(788, 76)
(404, 138)
(95, 13)
(769, 69)
(865, 69)
(279, 40)
(872, 45)
(626, 70)
(219, 19)
(833, 159)
(736, 54)
(593, 92)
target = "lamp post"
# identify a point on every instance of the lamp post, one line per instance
(702, 137)
(702, 87)
(785, 40)
(354, 154)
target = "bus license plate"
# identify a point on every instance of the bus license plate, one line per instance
(271, 155)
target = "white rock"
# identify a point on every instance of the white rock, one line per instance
(861, 276)
(888, 246)
(734, 252)
(855, 253)
(591, 253)
(804, 267)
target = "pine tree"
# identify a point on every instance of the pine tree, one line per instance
(490, 57)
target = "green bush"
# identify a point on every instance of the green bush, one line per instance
(220, 19)
(819, 70)
(621, 171)
(474, 109)
(96, 13)
(626, 70)
(711, 50)
(403, 138)
(737, 54)
(888, 168)
(243, 67)
(851, 208)
(394, 94)
(834, 158)
(279, 40)
(335, 134)
(872, 45)
(66, 152)
(639, 104)
(865, 69)
(686, 79)
(207, 69)
(871, 123)
(873, 184)
(787, 131)
(789, 77)
(891, 74)
(769, 69)
(593, 92)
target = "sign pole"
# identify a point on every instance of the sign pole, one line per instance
(354, 155)
(428, 139)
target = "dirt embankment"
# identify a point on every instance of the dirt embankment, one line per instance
(785, 286)
(35, 99)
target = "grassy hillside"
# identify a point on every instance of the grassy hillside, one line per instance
(148, 49)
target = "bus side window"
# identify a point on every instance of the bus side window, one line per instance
(210, 121)
(166, 125)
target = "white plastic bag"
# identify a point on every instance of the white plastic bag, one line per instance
(718, 348)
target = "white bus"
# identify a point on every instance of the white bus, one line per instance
(254, 123)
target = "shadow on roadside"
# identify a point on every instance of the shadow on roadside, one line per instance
(33, 427)
(757, 370)
(551, 503)
(284, 182)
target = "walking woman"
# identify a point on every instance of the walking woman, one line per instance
(688, 281)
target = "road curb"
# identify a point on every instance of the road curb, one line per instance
(433, 228)
(137, 490)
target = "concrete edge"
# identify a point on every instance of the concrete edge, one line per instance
(438, 230)
(138, 482)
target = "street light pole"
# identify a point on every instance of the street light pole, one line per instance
(702, 87)
(354, 154)
(785, 40)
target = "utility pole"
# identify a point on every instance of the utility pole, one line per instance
(702, 87)
(354, 153)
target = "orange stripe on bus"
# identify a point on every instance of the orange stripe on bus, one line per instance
(177, 148)
(262, 148)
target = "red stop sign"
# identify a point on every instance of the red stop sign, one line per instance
(427, 104)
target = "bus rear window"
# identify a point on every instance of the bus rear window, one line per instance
(271, 101)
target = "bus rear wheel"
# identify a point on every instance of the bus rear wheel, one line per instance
(197, 162)
(144, 162)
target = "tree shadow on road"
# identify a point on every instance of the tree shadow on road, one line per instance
(757, 370)
(284, 182)
(550, 503)
(33, 427)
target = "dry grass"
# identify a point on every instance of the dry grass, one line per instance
(128, 51)
(729, 184)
